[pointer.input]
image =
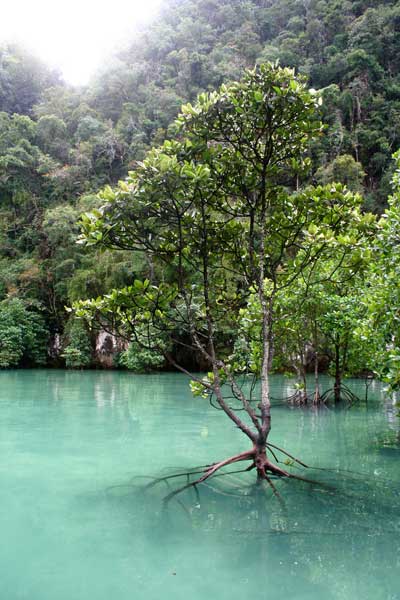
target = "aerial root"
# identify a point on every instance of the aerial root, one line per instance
(265, 469)
(211, 470)
(346, 395)
(315, 398)
(297, 460)
(258, 460)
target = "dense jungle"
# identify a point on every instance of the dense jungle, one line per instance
(60, 146)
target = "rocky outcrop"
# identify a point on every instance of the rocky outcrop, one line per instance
(107, 346)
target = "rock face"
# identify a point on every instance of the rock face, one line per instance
(106, 348)
(55, 347)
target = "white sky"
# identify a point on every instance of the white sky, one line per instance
(77, 36)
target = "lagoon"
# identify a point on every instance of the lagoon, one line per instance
(77, 522)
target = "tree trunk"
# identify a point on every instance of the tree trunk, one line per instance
(303, 391)
(300, 396)
(317, 393)
(262, 463)
(338, 375)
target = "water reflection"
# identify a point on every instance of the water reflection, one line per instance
(75, 449)
(340, 541)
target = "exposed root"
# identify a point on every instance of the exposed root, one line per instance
(267, 471)
(157, 480)
(211, 470)
(315, 398)
(269, 445)
(259, 461)
(224, 463)
(299, 397)
(303, 398)
(345, 395)
(276, 493)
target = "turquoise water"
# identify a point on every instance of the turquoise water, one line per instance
(77, 523)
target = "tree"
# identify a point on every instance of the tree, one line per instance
(381, 328)
(23, 79)
(57, 142)
(23, 334)
(344, 169)
(319, 316)
(214, 207)
(78, 352)
(339, 323)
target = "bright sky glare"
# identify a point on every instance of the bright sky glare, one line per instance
(76, 36)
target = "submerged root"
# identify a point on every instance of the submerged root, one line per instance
(304, 398)
(211, 470)
(315, 398)
(266, 470)
(344, 395)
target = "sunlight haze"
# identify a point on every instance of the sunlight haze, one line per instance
(76, 36)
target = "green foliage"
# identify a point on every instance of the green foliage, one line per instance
(141, 360)
(145, 352)
(382, 328)
(195, 45)
(78, 350)
(52, 137)
(59, 143)
(23, 334)
(344, 169)
(178, 205)
(23, 80)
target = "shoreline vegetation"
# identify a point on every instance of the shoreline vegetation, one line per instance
(60, 146)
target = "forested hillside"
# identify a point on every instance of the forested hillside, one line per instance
(59, 145)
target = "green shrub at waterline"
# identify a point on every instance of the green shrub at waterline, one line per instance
(23, 334)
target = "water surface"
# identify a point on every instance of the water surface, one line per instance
(76, 522)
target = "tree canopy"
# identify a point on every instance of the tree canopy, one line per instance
(216, 209)
(59, 145)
